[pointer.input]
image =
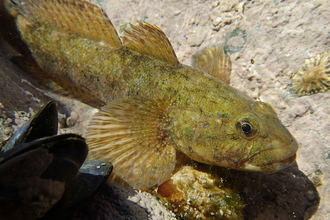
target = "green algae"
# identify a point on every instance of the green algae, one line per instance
(235, 41)
(200, 195)
(188, 132)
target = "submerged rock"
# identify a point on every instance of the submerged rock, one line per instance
(196, 194)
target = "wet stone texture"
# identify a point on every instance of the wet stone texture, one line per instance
(276, 38)
(197, 194)
(114, 201)
(287, 194)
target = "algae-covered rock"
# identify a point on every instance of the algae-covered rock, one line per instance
(195, 194)
(6, 129)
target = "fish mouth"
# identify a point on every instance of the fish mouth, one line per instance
(263, 162)
(279, 165)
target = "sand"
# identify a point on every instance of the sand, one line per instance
(271, 43)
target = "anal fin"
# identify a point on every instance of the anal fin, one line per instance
(150, 40)
(132, 134)
(62, 86)
(214, 61)
(33, 70)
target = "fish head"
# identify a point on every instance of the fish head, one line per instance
(271, 147)
(248, 136)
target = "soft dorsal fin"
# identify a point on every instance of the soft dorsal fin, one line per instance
(80, 18)
(150, 40)
(214, 61)
(133, 135)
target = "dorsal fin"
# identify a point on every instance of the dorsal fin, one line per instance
(150, 40)
(80, 18)
(214, 61)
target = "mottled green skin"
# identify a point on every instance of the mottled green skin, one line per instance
(204, 109)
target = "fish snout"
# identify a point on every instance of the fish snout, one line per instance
(272, 159)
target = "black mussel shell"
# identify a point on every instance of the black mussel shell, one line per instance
(39, 170)
(34, 175)
(42, 124)
(92, 175)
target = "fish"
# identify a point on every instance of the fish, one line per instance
(155, 107)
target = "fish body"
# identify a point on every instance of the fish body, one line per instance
(155, 106)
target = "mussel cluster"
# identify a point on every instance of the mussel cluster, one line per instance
(45, 175)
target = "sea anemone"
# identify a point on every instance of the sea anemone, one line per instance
(313, 76)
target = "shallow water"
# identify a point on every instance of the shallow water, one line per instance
(268, 41)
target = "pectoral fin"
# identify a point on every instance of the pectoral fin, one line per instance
(132, 134)
(214, 61)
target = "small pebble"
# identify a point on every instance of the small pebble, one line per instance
(72, 120)
(177, 12)
(215, 4)
(217, 21)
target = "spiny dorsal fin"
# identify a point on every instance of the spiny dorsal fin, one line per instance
(80, 18)
(132, 134)
(214, 61)
(150, 40)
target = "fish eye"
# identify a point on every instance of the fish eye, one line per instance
(245, 128)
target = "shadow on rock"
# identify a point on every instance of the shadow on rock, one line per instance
(114, 201)
(16, 91)
(287, 194)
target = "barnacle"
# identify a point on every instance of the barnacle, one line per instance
(313, 76)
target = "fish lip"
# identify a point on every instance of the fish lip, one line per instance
(293, 157)
(247, 164)
(282, 164)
